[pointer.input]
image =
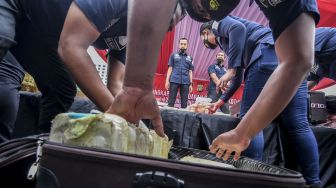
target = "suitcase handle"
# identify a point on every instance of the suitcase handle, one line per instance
(156, 179)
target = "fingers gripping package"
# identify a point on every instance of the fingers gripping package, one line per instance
(108, 131)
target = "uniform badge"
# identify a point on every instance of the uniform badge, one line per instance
(214, 5)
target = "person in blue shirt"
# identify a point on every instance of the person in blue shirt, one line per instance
(293, 27)
(325, 56)
(216, 71)
(179, 74)
(49, 40)
(253, 45)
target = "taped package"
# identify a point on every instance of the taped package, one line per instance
(108, 131)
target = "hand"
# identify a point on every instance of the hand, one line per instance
(227, 143)
(226, 87)
(190, 88)
(135, 104)
(167, 85)
(222, 83)
(214, 106)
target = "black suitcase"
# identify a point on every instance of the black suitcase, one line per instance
(64, 166)
(16, 158)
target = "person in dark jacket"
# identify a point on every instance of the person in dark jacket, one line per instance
(49, 40)
(325, 56)
(293, 27)
(253, 44)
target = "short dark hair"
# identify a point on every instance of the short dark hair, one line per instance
(206, 25)
(183, 38)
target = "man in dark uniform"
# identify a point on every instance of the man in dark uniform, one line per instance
(34, 42)
(49, 39)
(179, 75)
(254, 43)
(325, 56)
(216, 71)
(293, 25)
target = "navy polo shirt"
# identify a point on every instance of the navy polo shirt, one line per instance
(230, 36)
(218, 70)
(325, 41)
(240, 39)
(325, 54)
(281, 13)
(108, 16)
(181, 64)
(255, 34)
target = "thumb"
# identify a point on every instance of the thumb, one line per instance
(158, 126)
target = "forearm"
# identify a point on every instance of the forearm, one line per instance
(191, 76)
(235, 84)
(85, 75)
(275, 96)
(168, 74)
(116, 71)
(146, 29)
(214, 79)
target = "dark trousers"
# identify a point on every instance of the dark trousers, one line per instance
(294, 117)
(11, 76)
(184, 91)
(39, 57)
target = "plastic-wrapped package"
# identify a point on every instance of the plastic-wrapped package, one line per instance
(108, 131)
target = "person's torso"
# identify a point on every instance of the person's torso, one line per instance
(47, 16)
(255, 34)
(181, 68)
(325, 41)
(219, 71)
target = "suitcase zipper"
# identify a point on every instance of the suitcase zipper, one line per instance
(34, 167)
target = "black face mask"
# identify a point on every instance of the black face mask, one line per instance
(183, 51)
(219, 62)
(207, 44)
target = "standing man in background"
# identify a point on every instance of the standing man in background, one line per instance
(179, 74)
(216, 71)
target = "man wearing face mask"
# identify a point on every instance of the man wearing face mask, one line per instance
(255, 47)
(216, 71)
(293, 26)
(179, 74)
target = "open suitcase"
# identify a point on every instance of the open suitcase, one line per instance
(64, 166)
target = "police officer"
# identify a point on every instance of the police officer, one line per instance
(293, 27)
(179, 74)
(259, 61)
(49, 39)
(37, 28)
(216, 71)
(325, 56)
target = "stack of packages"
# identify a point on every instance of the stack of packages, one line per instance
(200, 107)
(108, 131)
